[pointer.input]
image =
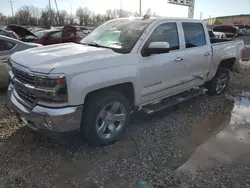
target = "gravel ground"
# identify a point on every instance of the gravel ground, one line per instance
(154, 149)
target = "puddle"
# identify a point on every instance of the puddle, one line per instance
(221, 139)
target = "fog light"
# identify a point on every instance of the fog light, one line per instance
(48, 122)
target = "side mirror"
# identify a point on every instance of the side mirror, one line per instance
(157, 48)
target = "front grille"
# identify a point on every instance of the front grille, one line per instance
(24, 77)
(29, 98)
(23, 82)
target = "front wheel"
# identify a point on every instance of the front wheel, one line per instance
(105, 118)
(219, 83)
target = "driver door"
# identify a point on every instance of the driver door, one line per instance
(162, 74)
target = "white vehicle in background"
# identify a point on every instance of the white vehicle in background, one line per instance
(220, 35)
(229, 31)
(124, 65)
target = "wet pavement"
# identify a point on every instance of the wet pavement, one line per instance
(221, 139)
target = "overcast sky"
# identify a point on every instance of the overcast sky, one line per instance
(161, 7)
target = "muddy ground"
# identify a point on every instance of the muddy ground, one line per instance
(203, 142)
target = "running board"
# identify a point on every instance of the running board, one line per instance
(171, 101)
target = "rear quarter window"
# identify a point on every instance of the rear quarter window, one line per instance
(194, 34)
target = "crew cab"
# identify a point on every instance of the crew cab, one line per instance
(93, 87)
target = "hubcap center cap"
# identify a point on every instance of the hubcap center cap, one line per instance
(109, 118)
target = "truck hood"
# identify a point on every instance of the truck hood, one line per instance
(45, 59)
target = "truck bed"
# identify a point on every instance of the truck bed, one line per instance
(225, 49)
(213, 41)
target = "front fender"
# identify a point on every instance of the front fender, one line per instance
(82, 84)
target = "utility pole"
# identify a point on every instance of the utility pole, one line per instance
(11, 5)
(50, 13)
(140, 8)
(58, 19)
(201, 16)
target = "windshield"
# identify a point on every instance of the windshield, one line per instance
(120, 35)
(40, 34)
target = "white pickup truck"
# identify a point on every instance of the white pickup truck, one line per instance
(124, 65)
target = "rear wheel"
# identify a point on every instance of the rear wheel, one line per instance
(105, 118)
(219, 83)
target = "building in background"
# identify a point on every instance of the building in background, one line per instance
(229, 20)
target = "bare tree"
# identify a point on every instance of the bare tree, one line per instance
(3, 19)
(149, 12)
(44, 20)
(48, 17)
(112, 14)
(35, 14)
(23, 15)
(99, 19)
(124, 13)
(86, 13)
(136, 14)
(83, 14)
(34, 11)
(31, 15)
(79, 15)
(62, 17)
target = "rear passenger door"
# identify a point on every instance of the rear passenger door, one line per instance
(197, 53)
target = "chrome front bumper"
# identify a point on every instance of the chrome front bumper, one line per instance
(59, 120)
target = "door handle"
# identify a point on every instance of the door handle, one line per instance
(178, 59)
(207, 54)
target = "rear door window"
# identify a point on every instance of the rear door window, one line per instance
(194, 34)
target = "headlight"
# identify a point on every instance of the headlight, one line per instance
(51, 88)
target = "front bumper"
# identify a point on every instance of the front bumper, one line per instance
(56, 120)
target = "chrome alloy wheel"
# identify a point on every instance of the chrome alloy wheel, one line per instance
(111, 120)
(221, 83)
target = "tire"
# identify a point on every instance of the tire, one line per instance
(216, 86)
(98, 114)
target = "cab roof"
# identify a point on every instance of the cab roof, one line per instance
(151, 19)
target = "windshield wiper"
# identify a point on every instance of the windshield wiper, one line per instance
(94, 44)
